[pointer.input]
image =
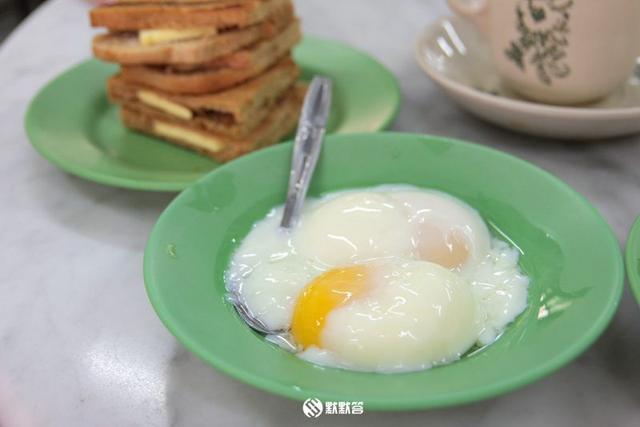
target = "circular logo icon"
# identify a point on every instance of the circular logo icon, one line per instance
(312, 408)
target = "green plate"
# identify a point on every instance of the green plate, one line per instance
(71, 123)
(568, 250)
(633, 259)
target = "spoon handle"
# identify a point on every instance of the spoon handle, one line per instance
(307, 145)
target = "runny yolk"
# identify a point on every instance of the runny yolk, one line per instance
(324, 294)
(449, 250)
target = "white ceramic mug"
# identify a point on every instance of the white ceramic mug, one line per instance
(559, 51)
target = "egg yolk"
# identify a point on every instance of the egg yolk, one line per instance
(328, 291)
(450, 250)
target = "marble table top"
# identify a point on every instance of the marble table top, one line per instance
(79, 343)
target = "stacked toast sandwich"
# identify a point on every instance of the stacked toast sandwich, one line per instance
(215, 76)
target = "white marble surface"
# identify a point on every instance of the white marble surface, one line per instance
(80, 344)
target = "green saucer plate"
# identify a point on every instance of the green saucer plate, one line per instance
(71, 123)
(568, 251)
(633, 259)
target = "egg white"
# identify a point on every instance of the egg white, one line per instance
(352, 228)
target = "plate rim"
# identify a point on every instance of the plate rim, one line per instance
(632, 257)
(171, 185)
(452, 399)
(500, 102)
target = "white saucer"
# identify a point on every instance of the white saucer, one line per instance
(456, 57)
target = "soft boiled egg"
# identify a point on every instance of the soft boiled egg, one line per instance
(387, 279)
(355, 227)
(418, 224)
(390, 317)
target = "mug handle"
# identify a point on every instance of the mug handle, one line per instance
(477, 11)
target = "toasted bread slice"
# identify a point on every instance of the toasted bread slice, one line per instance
(125, 48)
(235, 112)
(222, 74)
(280, 122)
(221, 3)
(163, 15)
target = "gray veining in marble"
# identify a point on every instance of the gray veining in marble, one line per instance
(79, 343)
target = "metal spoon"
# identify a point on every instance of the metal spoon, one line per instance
(306, 150)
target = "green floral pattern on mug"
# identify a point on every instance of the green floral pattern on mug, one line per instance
(543, 26)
